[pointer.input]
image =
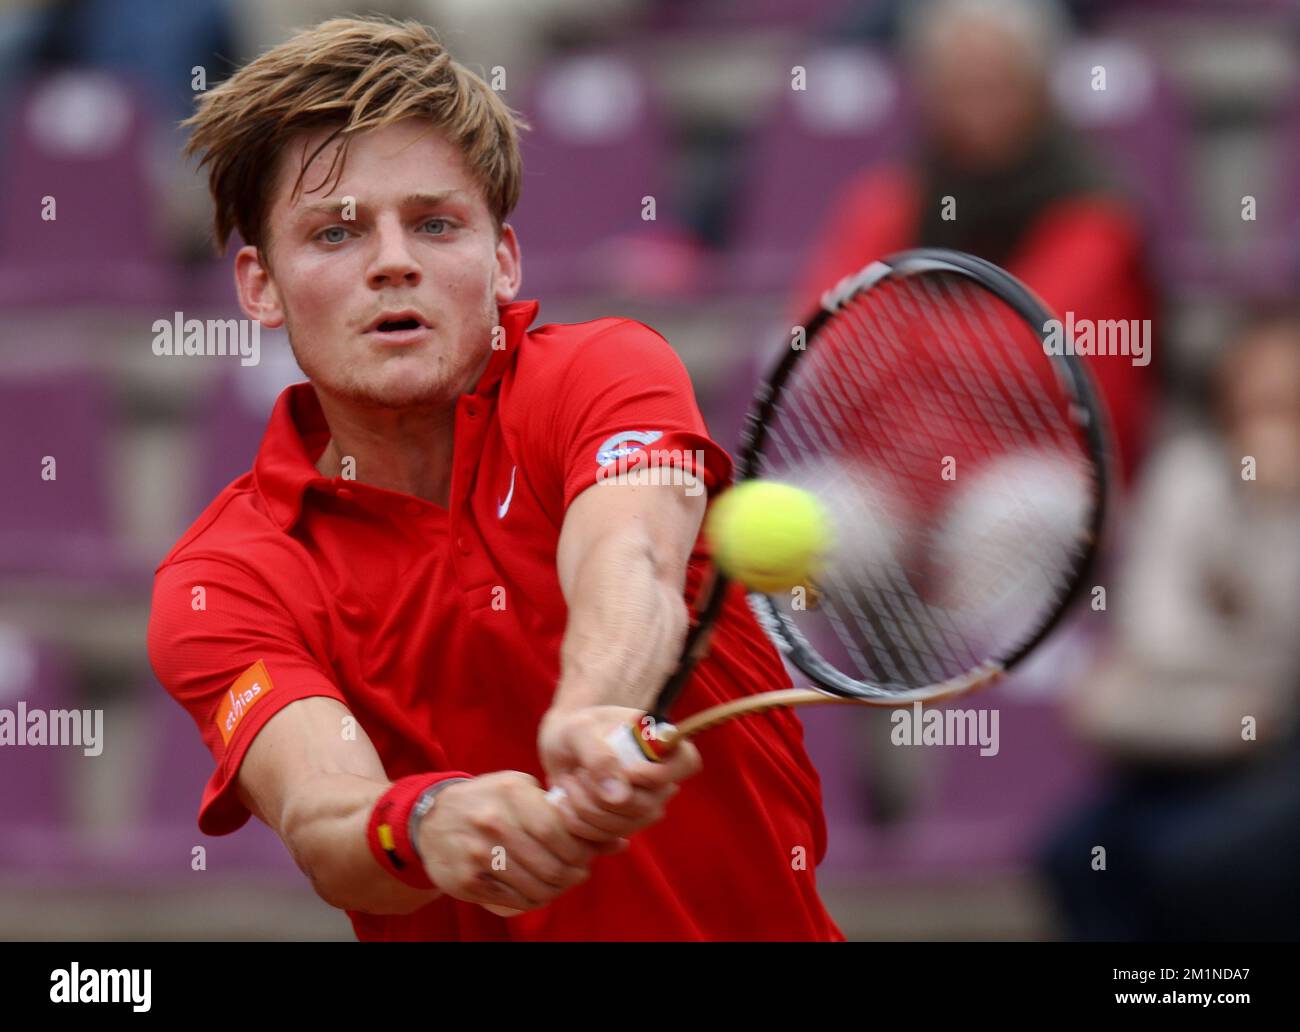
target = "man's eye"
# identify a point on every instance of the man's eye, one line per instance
(325, 235)
(442, 225)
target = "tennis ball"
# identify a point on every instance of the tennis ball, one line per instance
(767, 535)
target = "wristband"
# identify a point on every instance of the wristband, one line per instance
(389, 829)
(424, 804)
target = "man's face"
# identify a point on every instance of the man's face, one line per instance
(1262, 402)
(405, 234)
(982, 96)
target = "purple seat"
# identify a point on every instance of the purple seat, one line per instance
(178, 773)
(36, 783)
(804, 152)
(725, 397)
(598, 146)
(232, 428)
(1198, 9)
(1269, 265)
(1140, 123)
(981, 812)
(83, 139)
(234, 414)
(59, 527)
(693, 16)
(975, 812)
(209, 286)
(180, 766)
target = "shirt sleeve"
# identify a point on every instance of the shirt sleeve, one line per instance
(229, 651)
(625, 404)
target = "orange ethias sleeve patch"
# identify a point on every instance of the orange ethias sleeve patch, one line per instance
(252, 685)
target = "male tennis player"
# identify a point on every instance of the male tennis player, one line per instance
(435, 592)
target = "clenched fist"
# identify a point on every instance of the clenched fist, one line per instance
(497, 841)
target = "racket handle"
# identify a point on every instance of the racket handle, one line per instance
(626, 743)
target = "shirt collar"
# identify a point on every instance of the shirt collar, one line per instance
(514, 319)
(285, 466)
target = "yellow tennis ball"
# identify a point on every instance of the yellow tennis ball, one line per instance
(767, 535)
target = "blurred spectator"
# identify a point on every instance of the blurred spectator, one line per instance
(156, 45)
(153, 47)
(519, 34)
(1197, 703)
(995, 172)
(515, 34)
(879, 21)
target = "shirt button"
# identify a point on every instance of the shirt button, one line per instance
(471, 411)
(462, 545)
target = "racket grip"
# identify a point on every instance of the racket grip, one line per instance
(626, 743)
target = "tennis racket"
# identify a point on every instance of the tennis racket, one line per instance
(962, 464)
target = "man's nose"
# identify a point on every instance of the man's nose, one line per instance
(394, 262)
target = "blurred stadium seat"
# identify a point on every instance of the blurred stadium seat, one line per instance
(803, 150)
(36, 793)
(975, 813)
(232, 416)
(1208, 8)
(1140, 123)
(693, 16)
(177, 773)
(1271, 265)
(598, 147)
(84, 140)
(981, 814)
(60, 527)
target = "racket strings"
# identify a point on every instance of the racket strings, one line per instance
(987, 372)
(887, 634)
(1037, 410)
(929, 399)
(1070, 457)
(934, 429)
(891, 589)
(1036, 406)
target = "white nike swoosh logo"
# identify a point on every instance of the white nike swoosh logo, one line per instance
(504, 507)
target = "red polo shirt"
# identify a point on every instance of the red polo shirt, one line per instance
(440, 630)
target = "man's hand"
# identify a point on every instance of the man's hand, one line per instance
(497, 841)
(606, 801)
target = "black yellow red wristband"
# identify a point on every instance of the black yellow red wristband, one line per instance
(388, 831)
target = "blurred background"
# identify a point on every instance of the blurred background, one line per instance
(1129, 159)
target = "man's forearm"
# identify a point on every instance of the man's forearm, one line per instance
(324, 827)
(627, 621)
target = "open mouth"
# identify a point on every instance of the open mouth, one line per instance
(399, 322)
(396, 325)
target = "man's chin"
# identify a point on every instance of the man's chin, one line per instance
(394, 393)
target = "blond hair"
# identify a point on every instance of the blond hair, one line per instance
(355, 74)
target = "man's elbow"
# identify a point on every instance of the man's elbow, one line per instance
(345, 879)
(372, 891)
(371, 896)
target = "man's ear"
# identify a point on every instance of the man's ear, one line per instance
(258, 295)
(510, 270)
